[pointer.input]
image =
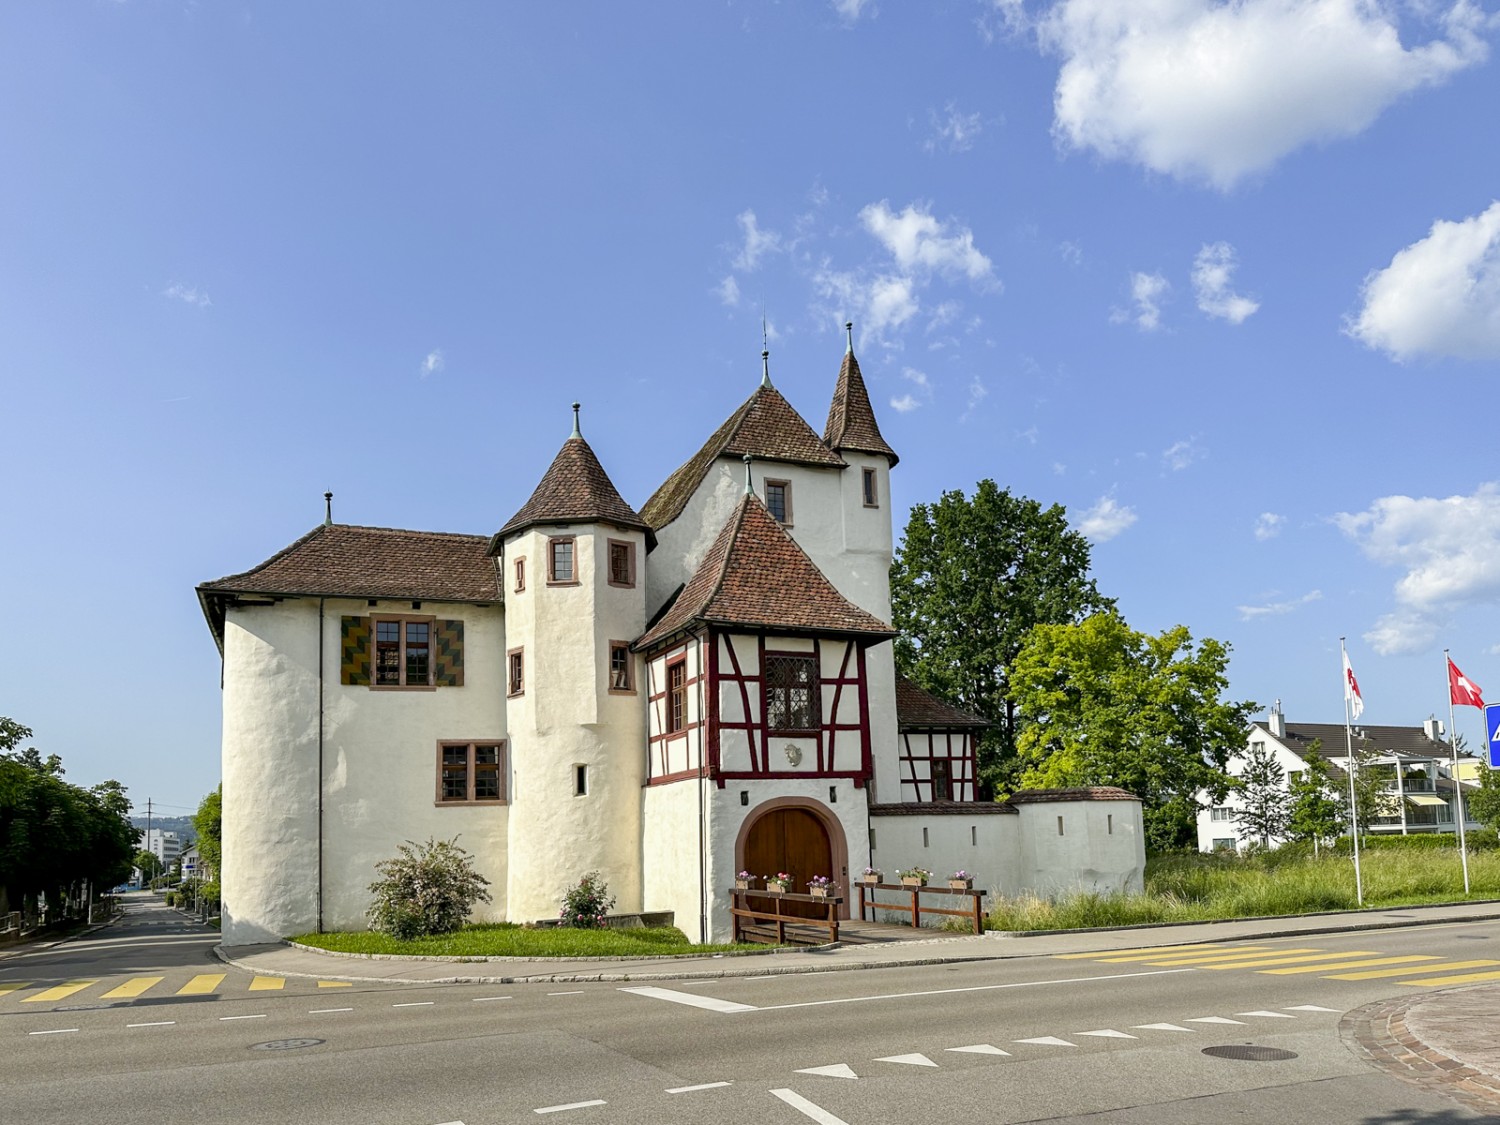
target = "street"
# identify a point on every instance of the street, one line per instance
(139, 1023)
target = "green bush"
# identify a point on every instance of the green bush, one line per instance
(208, 896)
(585, 905)
(426, 889)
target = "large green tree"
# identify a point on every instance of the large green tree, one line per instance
(1107, 705)
(971, 578)
(208, 821)
(1317, 807)
(1263, 807)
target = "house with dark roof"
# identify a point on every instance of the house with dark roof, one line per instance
(666, 696)
(1421, 790)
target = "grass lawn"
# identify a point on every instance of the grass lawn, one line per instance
(1202, 888)
(503, 939)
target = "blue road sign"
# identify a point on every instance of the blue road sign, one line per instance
(1492, 733)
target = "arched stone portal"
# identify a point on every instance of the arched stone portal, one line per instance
(800, 837)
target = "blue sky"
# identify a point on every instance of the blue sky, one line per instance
(1224, 281)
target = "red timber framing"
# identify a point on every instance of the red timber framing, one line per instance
(658, 766)
(758, 736)
(955, 747)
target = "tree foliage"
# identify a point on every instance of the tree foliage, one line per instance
(1107, 705)
(425, 889)
(149, 865)
(1317, 807)
(1483, 803)
(1263, 809)
(208, 822)
(1372, 795)
(971, 578)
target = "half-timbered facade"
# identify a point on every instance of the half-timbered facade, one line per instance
(666, 696)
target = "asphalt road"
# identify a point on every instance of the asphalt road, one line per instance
(1086, 1038)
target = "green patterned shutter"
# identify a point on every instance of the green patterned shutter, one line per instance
(354, 659)
(448, 644)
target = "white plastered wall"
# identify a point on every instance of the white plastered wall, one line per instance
(673, 876)
(983, 843)
(1102, 847)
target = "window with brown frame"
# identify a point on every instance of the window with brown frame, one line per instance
(677, 696)
(515, 671)
(521, 574)
(942, 779)
(779, 500)
(621, 563)
(471, 773)
(562, 565)
(871, 488)
(621, 671)
(792, 693)
(403, 652)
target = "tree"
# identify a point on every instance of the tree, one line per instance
(1483, 803)
(1317, 807)
(208, 822)
(970, 579)
(1107, 705)
(1372, 794)
(149, 864)
(1263, 812)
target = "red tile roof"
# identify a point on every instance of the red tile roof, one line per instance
(916, 707)
(766, 427)
(851, 418)
(574, 489)
(1080, 793)
(756, 576)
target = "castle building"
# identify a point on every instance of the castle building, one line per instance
(666, 696)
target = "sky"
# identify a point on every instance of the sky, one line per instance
(1221, 279)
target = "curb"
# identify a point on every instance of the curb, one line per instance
(1353, 927)
(460, 960)
(1377, 1033)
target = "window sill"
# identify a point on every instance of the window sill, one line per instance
(571, 582)
(466, 804)
(622, 691)
(403, 687)
(515, 694)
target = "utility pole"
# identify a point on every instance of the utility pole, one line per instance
(148, 839)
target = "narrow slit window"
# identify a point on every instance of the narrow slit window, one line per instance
(620, 678)
(580, 781)
(516, 672)
(871, 488)
(520, 575)
(677, 697)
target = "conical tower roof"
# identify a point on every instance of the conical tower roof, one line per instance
(851, 418)
(575, 489)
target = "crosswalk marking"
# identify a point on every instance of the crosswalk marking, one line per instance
(201, 985)
(1366, 963)
(1417, 970)
(333, 984)
(1465, 978)
(133, 987)
(1123, 952)
(1185, 957)
(1290, 959)
(1235, 959)
(13, 986)
(59, 992)
(267, 984)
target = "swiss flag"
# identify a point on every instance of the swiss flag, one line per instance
(1463, 691)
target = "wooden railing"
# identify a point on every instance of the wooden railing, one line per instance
(913, 905)
(760, 923)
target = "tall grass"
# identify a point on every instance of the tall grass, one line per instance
(1201, 888)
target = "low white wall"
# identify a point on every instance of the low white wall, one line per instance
(671, 877)
(983, 844)
(1102, 847)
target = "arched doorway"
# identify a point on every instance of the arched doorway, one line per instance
(798, 839)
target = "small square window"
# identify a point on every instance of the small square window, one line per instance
(560, 561)
(942, 779)
(871, 486)
(792, 694)
(515, 683)
(779, 500)
(621, 563)
(471, 773)
(403, 652)
(621, 667)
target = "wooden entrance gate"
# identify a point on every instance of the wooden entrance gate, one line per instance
(791, 840)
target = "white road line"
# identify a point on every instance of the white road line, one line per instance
(486, 999)
(261, 1016)
(1160, 1027)
(1310, 1008)
(807, 1108)
(1214, 1019)
(909, 1060)
(837, 1070)
(1108, 1033)
(709, 1003)
(570, 1105)
(159, 1023)
(55, 1031)
(979, 1049)
(972, 988)
(325, 1011)
(700, 1086)
(416, 1004)
(1268, 1015)
(1046, 1041)
(575, 992)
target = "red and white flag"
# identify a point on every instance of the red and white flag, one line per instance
(1463, 691)
(1352, 697)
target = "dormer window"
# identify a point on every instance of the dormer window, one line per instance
(779, 500)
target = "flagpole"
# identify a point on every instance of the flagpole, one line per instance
(1458, 785)
(1359, 886)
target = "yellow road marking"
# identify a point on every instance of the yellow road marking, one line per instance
(13, 985)
(1281, 959)
(1241, 956)
(267, 984)
(62, 991)
(1200, 954)
(1365, 964)
(1121, 952)
(1464, 978)
(333, 984)
(201, 985)
(133, 987)
(1444, 967)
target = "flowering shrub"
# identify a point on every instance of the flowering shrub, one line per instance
(820, 881)
(426, 889)
(585, 906)
(745, 875)
(780, 879)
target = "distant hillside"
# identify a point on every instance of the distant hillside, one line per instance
(182, 825)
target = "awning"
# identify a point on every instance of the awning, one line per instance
(1425, 799)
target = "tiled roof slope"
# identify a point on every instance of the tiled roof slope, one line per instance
(575, 489)
(918, 708)
(1408, 741)
(851, 418)
(755, 575)
(1080, 793)
(373, 562)
(766, 427)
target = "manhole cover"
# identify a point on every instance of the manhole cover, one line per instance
(1248, 1052)
(286, 1044)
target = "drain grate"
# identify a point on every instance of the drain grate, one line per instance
(1249, 1052)
(286, 1044)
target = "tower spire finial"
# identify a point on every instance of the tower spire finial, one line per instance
(765, 352)
(849, 331)
(327, 509)
(576, 431)
(749, 487)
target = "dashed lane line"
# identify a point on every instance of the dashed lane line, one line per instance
(416, 1004)
(807, 1108)
(570, 1105)
(258, 1016)
(487, 999)
(699, 1086)
(54, 1031)
(158, 1023)
(325, 1011)
(575, 992)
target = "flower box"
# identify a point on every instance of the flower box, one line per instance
(960, 884)
(872, 879)
(742, 884)
(913, 881)
(774, 887)
(819, 892)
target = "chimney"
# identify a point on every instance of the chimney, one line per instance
(1433, 729)
(1277, 721)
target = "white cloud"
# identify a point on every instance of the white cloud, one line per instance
(978, 392)
(905, 404)
(920, 243)
(1058, 468)
(1213, 270)
(911, 374)
(1268, 526)
(1071, 252)
(433, 363)
(953, 131)
(728, 290)
(1449, 550)
(1214, 91)
(1276, 609)
(850, 10)
(1179, 455)
(1440, 295)
(187, 294)
(758, 243)
(1146, 290)
(1106, 519)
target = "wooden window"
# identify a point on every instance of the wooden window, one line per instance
(779, 500)
(562, 566)
(942, 779)
(621, 667)
(515, 671)
(871, 487)
(403, 652)
(471, 773)
(521, 574)
(793, 700)
(621, 563)
(677, 696)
